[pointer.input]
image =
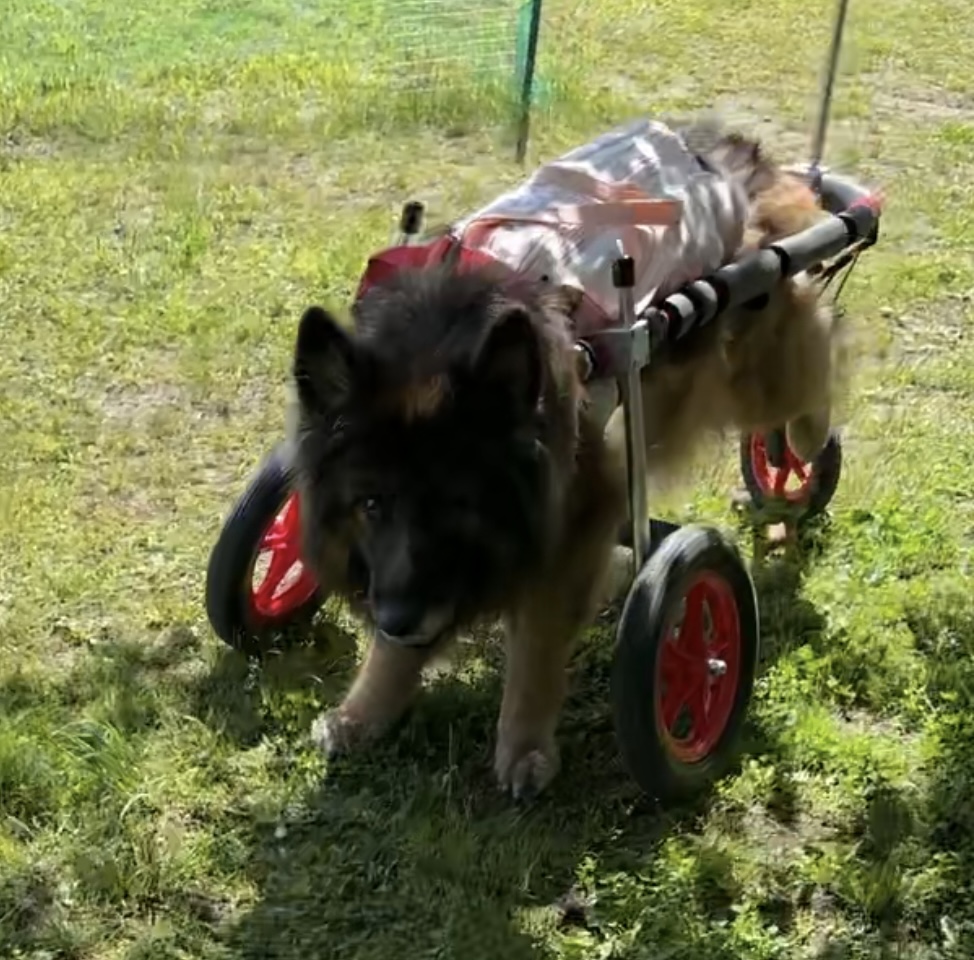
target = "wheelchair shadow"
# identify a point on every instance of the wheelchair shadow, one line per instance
(411, 844)
(788, 618)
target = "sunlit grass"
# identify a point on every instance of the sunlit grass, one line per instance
(177, 182)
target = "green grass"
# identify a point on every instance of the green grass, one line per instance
(175, 186)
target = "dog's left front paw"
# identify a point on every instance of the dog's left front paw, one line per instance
(526, 772)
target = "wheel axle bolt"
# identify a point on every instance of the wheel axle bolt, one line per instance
(717, 668)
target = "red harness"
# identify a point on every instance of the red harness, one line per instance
(385, 264)
(587, 317)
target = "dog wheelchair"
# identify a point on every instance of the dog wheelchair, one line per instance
(688, 635)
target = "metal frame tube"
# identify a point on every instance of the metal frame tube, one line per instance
(818, 144)
(410, 222)
(631, 387)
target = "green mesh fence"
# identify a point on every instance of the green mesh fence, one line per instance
(471, 51)
(450, 63)
(419, 42)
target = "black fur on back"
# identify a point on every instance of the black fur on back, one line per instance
(451, 506)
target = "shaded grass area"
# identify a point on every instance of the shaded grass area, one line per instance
(176, 184)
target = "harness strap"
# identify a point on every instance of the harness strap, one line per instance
(616, 204)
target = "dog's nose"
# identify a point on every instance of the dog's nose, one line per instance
(398, 617)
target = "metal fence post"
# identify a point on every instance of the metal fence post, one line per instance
(527, 80)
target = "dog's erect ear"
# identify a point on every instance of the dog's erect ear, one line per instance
(510, 359)
(323, 361)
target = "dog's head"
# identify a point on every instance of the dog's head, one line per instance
(419, 444)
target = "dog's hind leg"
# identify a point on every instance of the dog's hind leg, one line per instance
(808, 434)
(384, 687)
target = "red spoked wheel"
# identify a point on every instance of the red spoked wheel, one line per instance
(257, 585)
(772, 472)
(281, 583)
(698, 669)
(684, 668)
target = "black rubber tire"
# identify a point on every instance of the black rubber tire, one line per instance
(656, 532)
(826, 473)
(641, 631)
(230, 569)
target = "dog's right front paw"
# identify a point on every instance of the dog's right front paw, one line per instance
(335, 733)
(525, 771)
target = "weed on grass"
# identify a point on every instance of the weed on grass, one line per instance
(176, 184)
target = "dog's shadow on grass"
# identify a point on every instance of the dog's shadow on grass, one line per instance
(242, 696)
(411, 847)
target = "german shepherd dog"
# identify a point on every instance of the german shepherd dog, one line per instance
(451, 469)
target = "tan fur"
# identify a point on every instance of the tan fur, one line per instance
(421, 400)
(775, 367)
(757, 368)
(550, 613)
(785, 207)
(382, 689)
(754, 370)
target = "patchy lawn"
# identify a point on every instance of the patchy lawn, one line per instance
(175, 186)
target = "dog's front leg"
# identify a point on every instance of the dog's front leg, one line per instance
(539, 643)
(541, 632)
(385, 685)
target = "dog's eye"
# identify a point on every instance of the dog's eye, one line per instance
(371, 507)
